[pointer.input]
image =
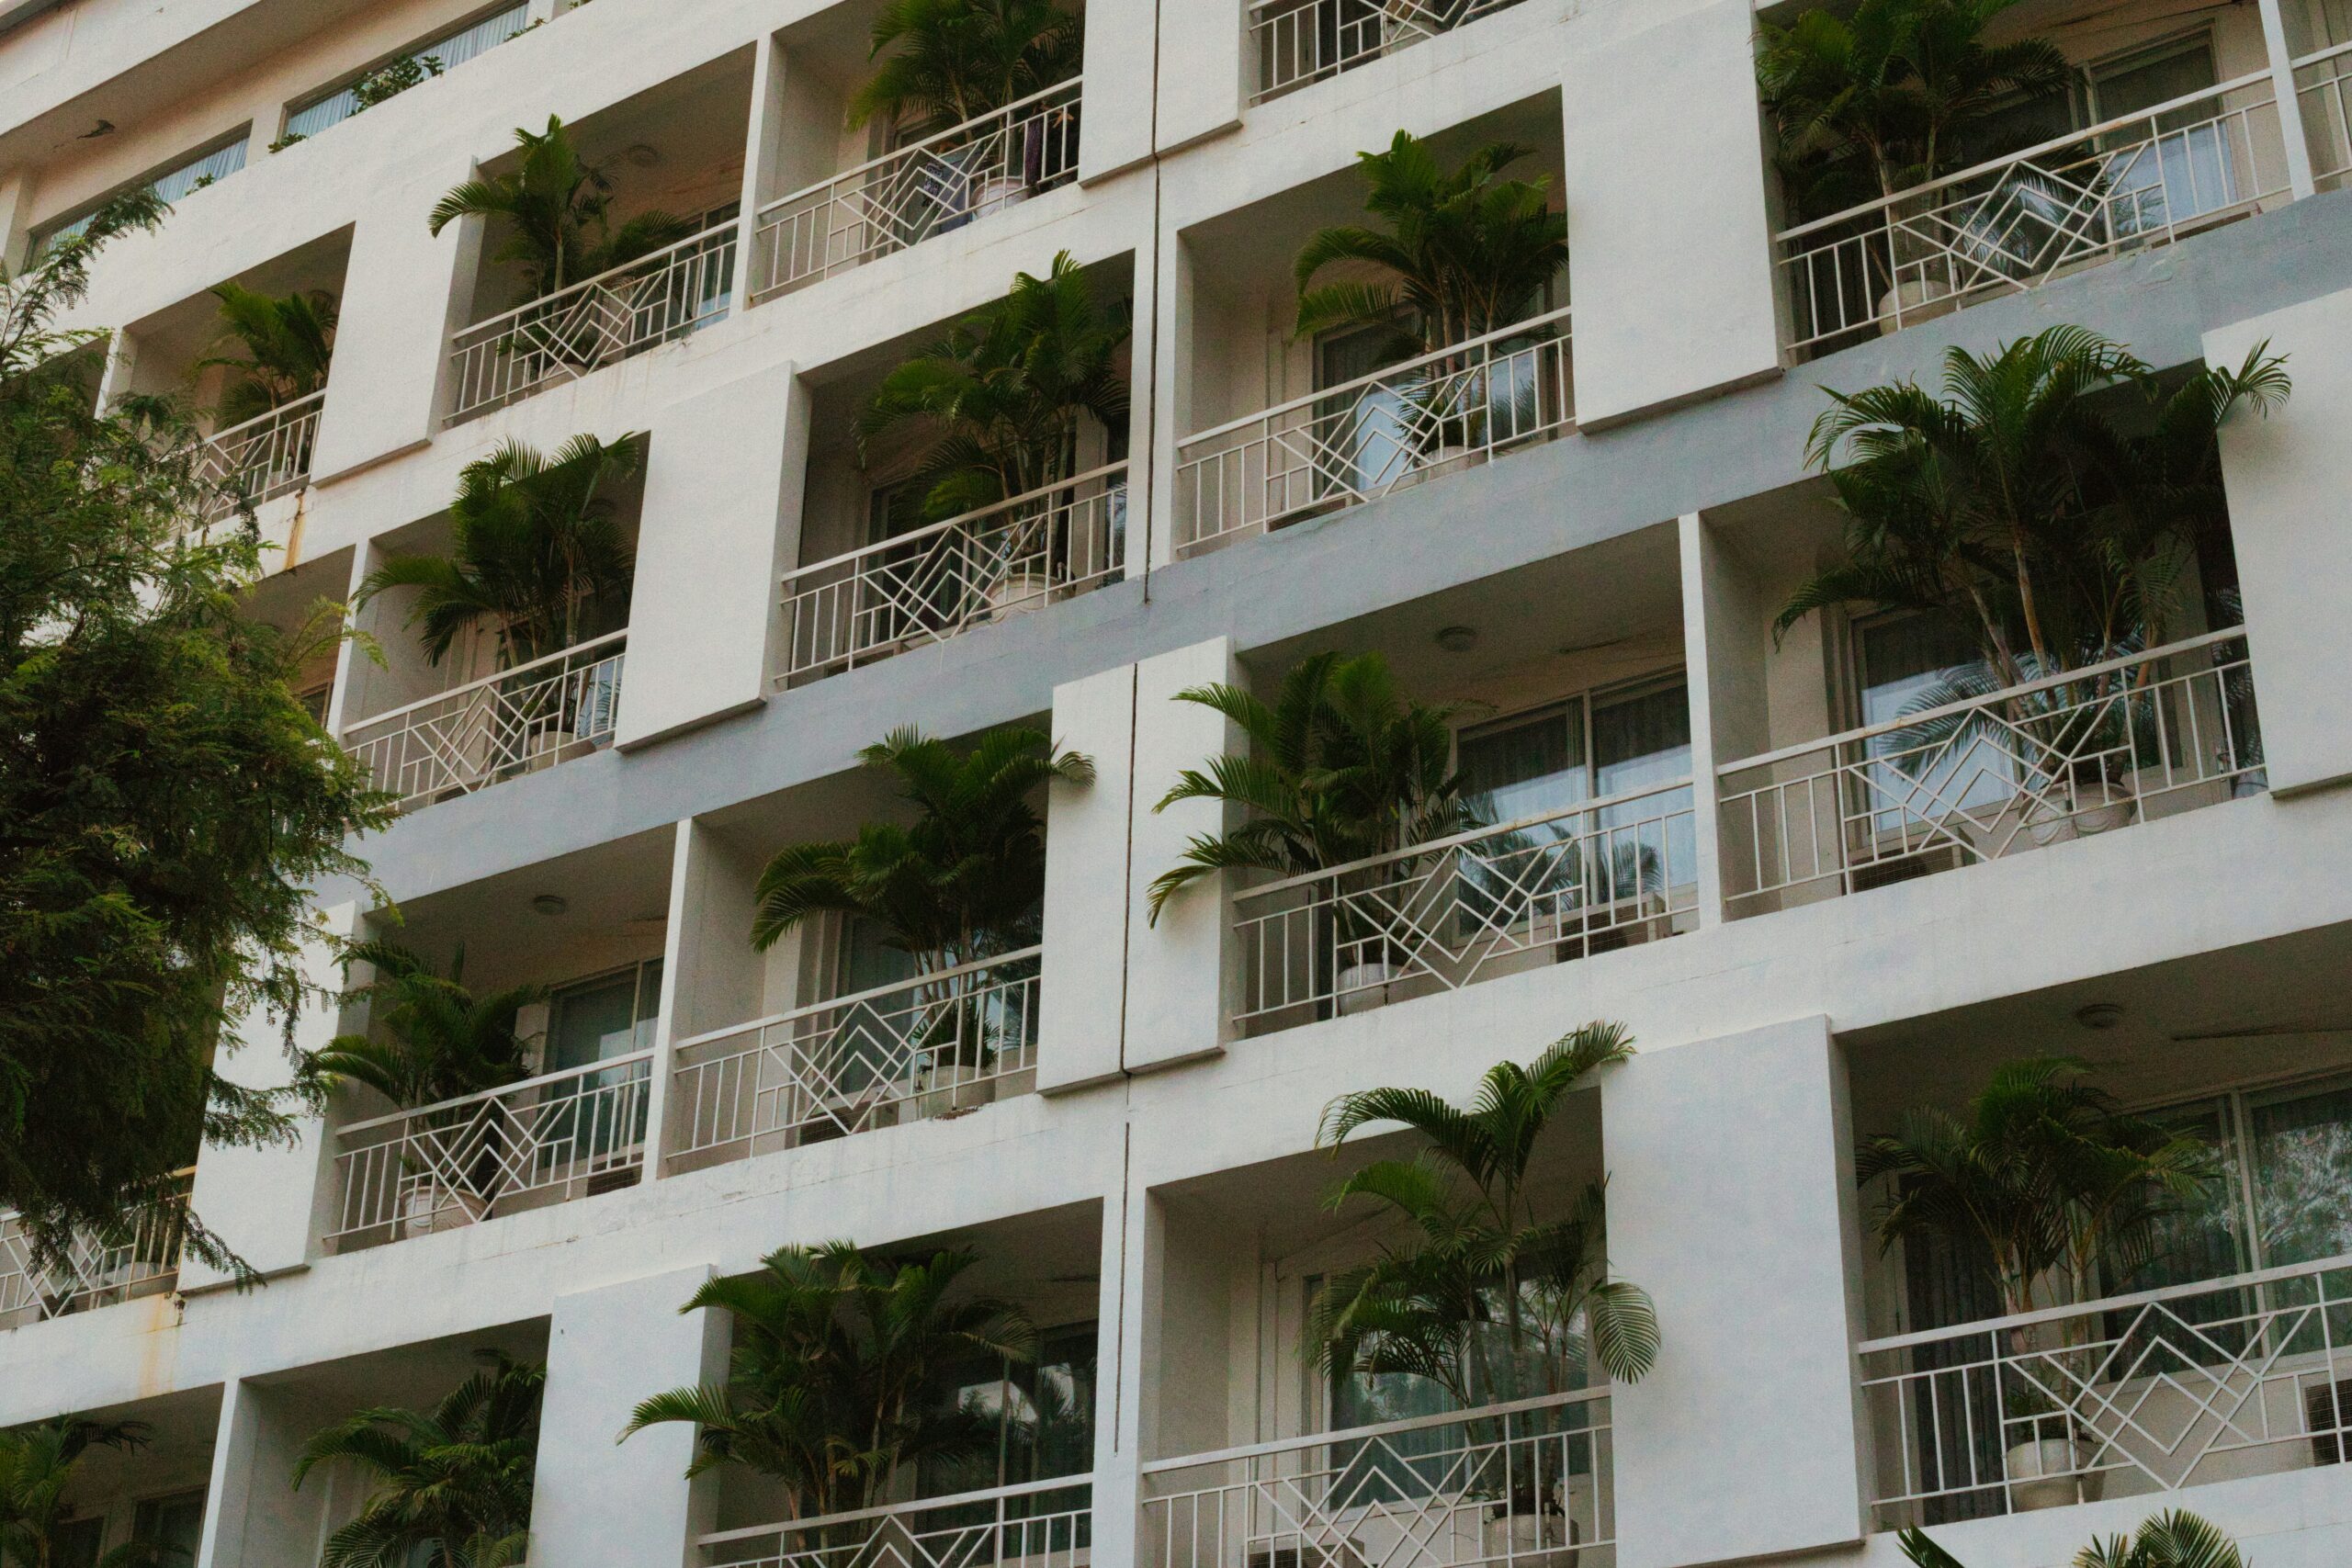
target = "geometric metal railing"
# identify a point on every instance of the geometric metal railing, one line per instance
(1299, 41)
(517, 721)
(546, 1140)
(932, 583)
(1363, 438)
(2016, 223)
(1487, 902)
(138, 1254)
(1031, 1524)
(2140, 1393)
(265, 457)
(594, 323)
(944, 182)
(939, 1045)
(1525, 1484)
(2095, 750)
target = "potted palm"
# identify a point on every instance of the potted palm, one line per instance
(2052, 1185)
(1343, 768)
(1493, 1293)
(2173, 1538)
(999, 403)
(432, 1040)
(37, 1468)
(959, 883)
(288, 342)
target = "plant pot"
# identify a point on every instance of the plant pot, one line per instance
(2099, 807)
(1529, 1541)
(995, 192)
(2048, 1474)
(1017, 593)
(1363, 986)
(1914, 301)
(428, 1206)
(545, 748)
(956, 1100)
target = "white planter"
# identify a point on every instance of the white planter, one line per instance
(547, 747)
(956, 1099)
(1363, 986)
(1017, 593)
(1914, 301)
(2099, 807)
(996, 192)
(428, 1206)
(2048, 1474)
(1532, 1541)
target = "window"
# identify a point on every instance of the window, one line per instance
(1534, 763)
(451, 50)
(1042, 1418)
(172, 1526)
(1906, 664)
(75, 1543)
(2187, 171)
(597, 1020)
(170, 185)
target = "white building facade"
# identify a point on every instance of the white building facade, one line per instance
(1594, 578)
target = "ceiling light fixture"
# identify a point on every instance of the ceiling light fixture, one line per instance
(1457, 639)
(549, 904)
(2099, 1015)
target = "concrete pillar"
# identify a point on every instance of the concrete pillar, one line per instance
(15, 216)
(1167, 417)
(1671, 250)
(2285, 477)
(118, 372)
(1202, 71)
(1732, 1201)
(1087, 877)
(1176, 969)
(710, 976)
(2294, 139)
(1114, 127)
(1723, 658)
(720, 523)
(762, 149)
(252, 1513)
(598, 1500)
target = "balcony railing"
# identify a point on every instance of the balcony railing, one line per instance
(1449, 913)
(2136, 1395)
(2015, 223)
(1376, 434)
(939, 1045)
(497, 727)
(929, 187)
(1033, 1524)
(544, 1140)
(590, 324)
(263, 459)
(932, 583)
(1299, 41)
(1525, 1484)
(139, 1255)
(2099, 749)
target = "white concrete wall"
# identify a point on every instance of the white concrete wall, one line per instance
(1088, 877)
(1170, 1016)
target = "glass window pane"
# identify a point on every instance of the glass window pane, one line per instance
(592, 1022)
(75, 1543)
(1526, 766)
(1640, 741)
(2302, 1176)
(2206, 1240)
(172, 1526)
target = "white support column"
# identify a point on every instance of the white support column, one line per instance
(1202, 82)
(1087, 882)
(1114, 127)
(710, 975)
(252, 1514)
(597, 1500)
(763, 150)
(121, 364)
(1725, 664)
(1168, 417)
(2293, 137)
(15, 216)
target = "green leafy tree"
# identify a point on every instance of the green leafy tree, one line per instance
(942, 62)
(165, 800)
(999, 399)
(1342, 766)
(287, 341)
(1492, 1296)
(434, 1039)
(36, 1465)
(2173, 1538)
(450, 1487)
(839, 1355)
(557, 210)
(538, 554)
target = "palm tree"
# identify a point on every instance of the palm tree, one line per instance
(945, 63)
(2031, 499)
(36, 1465)
(452, 1485)
(1465, 250)
(288, 342)
(964, 880)
(838, 1356)
(537, 553)
(1002, 395)
(1343, 767)
(1493, 1298)
(438, 1040)
(558, 210)
(1894, 94)
(2175, 1538)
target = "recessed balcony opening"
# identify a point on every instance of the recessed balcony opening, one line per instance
(2167, 1334)
(1294, 43)
(522, 669)
(995, 1466)
(299, 601)
(136, 1481)
(653, 264)
(503, 1046)
(1284, 425)
(249, 360)
(1500, 1452)
(1894, 740)
(837, 1007)
(2158, 124)
(1556, 824)
(862, 172)
(919, 523)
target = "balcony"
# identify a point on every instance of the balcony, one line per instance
(1034, 1524)
(1296, 42)
(1525, 1484)
(265, 457)
(931, 186)
(137, 1256)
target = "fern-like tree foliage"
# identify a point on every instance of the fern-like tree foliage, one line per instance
(36, 1466)
(2173, 1538)
(1494, 1292)
(941, 64)
(284, 343)
(1340, 765)
(448, 1487)
(433, 1038)
(553, 214)
(538, 554)
(839, 1355)
(997, 403)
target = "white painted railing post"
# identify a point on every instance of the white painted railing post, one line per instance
(2291, 130)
